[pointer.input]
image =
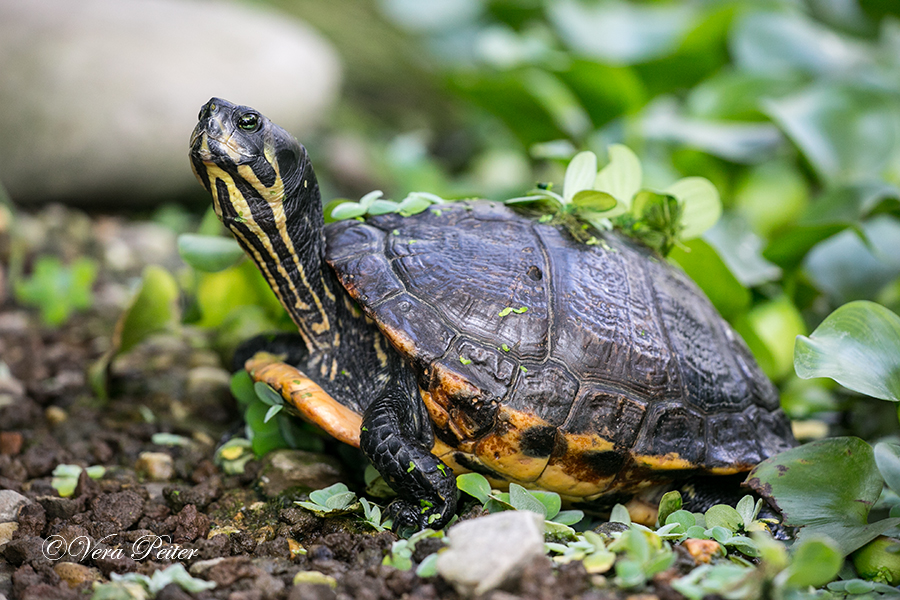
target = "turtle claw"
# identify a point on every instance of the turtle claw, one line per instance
(406, 515)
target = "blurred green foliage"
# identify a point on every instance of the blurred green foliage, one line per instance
(790, 107)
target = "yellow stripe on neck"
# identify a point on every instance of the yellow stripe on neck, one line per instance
(276, 203)
(273, 195)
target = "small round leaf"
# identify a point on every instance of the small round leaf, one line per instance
(580, 175)
(701, 206)
(347, 210)
(621, 178)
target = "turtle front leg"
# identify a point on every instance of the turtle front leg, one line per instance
(396, 438)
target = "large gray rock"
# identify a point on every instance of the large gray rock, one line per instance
(488, 552)
(99, 97)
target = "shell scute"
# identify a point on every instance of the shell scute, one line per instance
(473, 273)
(672, 437)
(547, 390)
(413, 327)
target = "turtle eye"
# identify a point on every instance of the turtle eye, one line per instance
(248, 122)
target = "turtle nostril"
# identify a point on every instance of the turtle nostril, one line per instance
(207, 110)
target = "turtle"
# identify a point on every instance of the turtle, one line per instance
(472, 338)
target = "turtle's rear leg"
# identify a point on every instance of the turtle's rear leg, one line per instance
(290, 347)
(396, 436)
(306, 397)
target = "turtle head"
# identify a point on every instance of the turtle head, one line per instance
(264, 190)
(255, 171)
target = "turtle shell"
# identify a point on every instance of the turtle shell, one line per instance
(581, 369)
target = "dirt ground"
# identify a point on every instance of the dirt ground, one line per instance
(241, 532)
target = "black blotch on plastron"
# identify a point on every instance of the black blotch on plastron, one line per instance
(538, 442)
(604, 464)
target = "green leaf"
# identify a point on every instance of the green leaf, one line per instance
(858, 345)
(321, 497)
(169, 439)
(735, 95)
(775, 324)
(857, 263)
(593, 201)
(522, 499)
(475, 485)
(629, 573)
(621, 33)
(96, 471)
(383, 207)
(816, 561)
(347, 210)
(789, 42)
(266, 435)
(668, 504)
(557, 100)
(887, 457)
(741, 251)
(847, 133)
(793, 482)
(701, 206)
(722, 515)
(683, 518)
(414, 203)
(720, 534)
(428, 566)
(580, 175)
(242, 388)
(771, 196)
(599, 562)
(551, 501)
(273, 410)
(737, 142)
(369, 199)
(621, 178)
(209, 253)
(340, 501)
(267, 394)
(568, 517)
(704, 265)
(153, 309)
(747, 507)
(619, 514)
(177, 574)
(57, 289)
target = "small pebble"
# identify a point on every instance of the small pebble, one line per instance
(75, 574)
(157, 466)
(6, 532)
(314, 578)
(55, 415)
(11, 442)
(702, 551)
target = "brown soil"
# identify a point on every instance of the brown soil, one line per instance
(227, 530)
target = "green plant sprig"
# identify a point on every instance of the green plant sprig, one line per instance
(372, 204)
(613, 197)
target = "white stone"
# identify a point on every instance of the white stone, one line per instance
(10, 503)
(487, 552)
(99, 97)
